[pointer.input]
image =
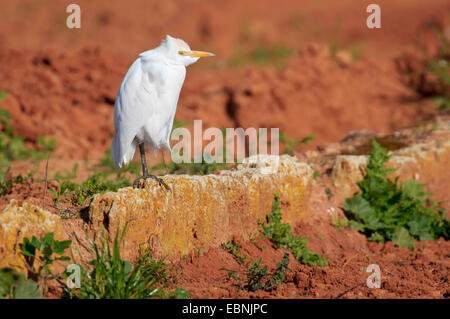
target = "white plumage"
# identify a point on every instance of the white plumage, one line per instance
(147, 99)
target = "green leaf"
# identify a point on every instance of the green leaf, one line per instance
(28, 249)
(358, 206)
(402, 238)
(60, 246)
(127, 266)
(181, 293)
(414, 189)
(8, 278)
(419, 227)
(3, 94)
(27, 289)
(53, 192)
(376, 237)
(5, 115)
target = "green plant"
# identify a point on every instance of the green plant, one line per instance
(235, 249)
(3, 94)
(12, 147)
(14, 285)
(439, 67)
(62, 191)
(258, 277)
(107, 276)
(340, 222)
(432, 78)
(385, 210)
(68, 175)
(95, 184)
(107, 166)
(40, 254)
(203, 168)
(179, 123)
(291, 143)
(275, 55)
(329, 193)
(281, 235)
(7, 182)
(279, 275)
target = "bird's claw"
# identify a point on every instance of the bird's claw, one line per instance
(159, 180)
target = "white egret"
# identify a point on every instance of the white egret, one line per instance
(147, 101)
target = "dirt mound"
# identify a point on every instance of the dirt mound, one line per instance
(313, 93)
(71, 97)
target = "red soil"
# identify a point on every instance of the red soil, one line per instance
(404, 273)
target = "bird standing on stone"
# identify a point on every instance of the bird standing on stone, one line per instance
(147, 101)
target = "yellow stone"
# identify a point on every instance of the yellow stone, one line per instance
(203, 212)
(19, 220)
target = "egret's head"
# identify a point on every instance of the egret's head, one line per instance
(179, 51)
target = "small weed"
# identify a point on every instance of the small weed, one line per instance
(178, 123)
(15, 285)
(39, 255)
(385, 210)
(199, 251)
(281, 235)
(329, 193)
(7, 182)
(291, 143)
(107, 276)
(235, 249)
(340, 222)
(275, 56)
(95, 184)
(203, 168)
(68, 176)
(258, 277)
(106, 165)
(334, 47)
(12, 147)
(3, 94)
(432, 80)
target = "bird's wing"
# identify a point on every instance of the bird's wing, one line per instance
(135, 104)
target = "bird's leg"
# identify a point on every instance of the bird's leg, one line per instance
(145, 173)
(143, 160)
(164, 162)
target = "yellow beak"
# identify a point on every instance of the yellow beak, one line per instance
(197, 54)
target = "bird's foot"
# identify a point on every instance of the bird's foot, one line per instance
(138, 183)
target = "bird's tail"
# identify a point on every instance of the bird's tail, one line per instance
(122, 155)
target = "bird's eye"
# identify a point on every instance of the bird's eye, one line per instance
(180, 52)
